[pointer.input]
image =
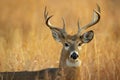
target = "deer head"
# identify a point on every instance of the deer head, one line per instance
(72, 43)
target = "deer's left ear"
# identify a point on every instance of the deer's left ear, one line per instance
(87, 37)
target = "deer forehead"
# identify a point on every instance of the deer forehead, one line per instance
(72, 39)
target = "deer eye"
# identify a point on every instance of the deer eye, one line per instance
(79, 44)
(66, 45)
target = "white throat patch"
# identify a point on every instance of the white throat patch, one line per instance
(73, 64)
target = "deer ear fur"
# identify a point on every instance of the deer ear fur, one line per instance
(87, 37)
(57, 35)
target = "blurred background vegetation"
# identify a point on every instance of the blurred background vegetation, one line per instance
(27, 44)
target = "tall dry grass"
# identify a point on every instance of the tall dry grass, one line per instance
(26, 43)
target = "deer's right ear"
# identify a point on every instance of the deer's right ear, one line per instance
(57, 35)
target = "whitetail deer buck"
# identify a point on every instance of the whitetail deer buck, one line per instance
(69, 66)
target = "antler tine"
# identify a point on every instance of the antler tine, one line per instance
(45, 14)
(64, 30)
(63, 25)
(96, 18)
(47, 18)
(79, 27)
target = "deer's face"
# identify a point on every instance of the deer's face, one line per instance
(72, 44)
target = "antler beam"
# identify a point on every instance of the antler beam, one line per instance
(96, 18)
(47, 18)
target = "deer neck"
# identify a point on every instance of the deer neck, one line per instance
(71, 73)
(63, 57)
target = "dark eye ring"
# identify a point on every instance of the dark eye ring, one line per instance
(66, 44)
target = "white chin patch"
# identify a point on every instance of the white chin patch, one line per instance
(77, 63)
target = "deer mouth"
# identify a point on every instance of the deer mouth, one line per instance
(73, 63)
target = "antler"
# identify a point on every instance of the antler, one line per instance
(47, 18)
(96, 18)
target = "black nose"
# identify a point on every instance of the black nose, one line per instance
(74, 55)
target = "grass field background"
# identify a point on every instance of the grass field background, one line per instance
(26, 42)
